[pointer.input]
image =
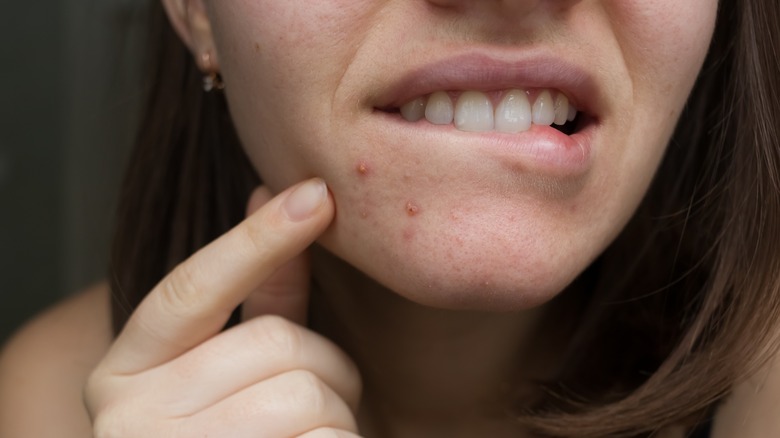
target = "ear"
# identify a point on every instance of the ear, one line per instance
(189, 19)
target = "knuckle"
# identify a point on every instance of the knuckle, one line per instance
(179, 290)
(309, 392)
(278, 335)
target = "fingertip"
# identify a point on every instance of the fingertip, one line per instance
(306, 200)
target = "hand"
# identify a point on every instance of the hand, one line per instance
(172, 372)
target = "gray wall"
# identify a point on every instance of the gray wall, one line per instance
(68, 97)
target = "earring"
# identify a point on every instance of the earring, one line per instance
(211, 79)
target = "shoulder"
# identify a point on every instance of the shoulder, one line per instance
(45, 365)
(753, 408)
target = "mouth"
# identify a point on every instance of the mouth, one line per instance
(535, 113)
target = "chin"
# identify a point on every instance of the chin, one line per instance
(472, 262)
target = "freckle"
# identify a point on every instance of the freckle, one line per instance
(257, 47)
(412, 209)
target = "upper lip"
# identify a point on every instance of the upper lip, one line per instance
(481, 71)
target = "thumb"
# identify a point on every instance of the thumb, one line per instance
(286, 292)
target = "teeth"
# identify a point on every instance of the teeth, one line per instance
(414, 110)
(561, 108)
(474, 112)
(543, 111)
(439, 110)
(514, 113)
(572, 113)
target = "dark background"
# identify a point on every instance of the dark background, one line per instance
(69, 92)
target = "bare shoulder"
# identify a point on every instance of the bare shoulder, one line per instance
(753, 408)
(45, 365)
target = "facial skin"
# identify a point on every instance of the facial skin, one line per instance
(432, 214)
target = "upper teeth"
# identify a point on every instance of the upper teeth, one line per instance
(473, 110)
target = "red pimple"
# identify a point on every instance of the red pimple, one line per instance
(412, 209)
(362, 168)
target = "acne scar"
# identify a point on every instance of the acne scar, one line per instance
(408, 235)
(412, 209)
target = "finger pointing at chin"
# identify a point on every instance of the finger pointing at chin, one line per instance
(194, 301)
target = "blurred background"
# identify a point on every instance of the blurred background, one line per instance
(69, 95)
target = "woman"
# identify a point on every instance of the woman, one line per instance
(532, 218)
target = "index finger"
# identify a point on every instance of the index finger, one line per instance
(194, 301)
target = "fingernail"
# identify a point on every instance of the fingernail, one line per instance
(305, 200)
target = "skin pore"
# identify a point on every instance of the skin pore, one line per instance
(441, 255)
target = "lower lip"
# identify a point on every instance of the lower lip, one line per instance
(541, 150)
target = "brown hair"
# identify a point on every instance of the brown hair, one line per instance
(684, 303)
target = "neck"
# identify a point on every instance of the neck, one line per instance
(422, 367)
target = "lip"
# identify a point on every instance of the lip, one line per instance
(485, 72)
(542, 150)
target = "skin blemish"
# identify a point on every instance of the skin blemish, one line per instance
(362, 168)
(408, 235)
(412, 209)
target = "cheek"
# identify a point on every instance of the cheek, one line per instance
(282, 61)
(664, 42)
(294, 47)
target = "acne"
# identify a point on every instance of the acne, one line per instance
(362, 168)
(412, 209)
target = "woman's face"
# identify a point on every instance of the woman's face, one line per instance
(439, 213)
